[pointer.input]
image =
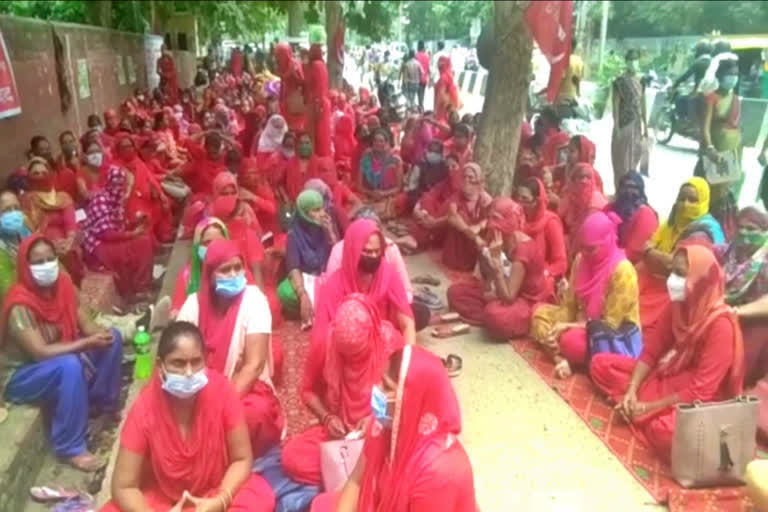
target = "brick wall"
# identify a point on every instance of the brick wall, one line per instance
(30, 46)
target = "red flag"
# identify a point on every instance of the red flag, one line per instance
(551, 25)
(10, 104)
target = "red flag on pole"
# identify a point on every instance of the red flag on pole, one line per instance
(551, 25)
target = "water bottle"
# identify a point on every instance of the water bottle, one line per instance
(142, 368)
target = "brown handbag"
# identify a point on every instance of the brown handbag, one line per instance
(714, 442)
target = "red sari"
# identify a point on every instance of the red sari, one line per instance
(459, 252)
(579, 200)
(561, 172)
(260, 195)
(419, 463)
(292, 83)
(446, 92)
(341, 372)
(295, 178)
(318, 104)
(196, 463)
(344, 141)
(200, 172)
(166, 68)
(696, 351)
(546, 230)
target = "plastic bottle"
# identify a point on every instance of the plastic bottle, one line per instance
(142, 368)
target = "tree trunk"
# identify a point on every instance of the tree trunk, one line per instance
(295, 18)
(505, 97)
(333, 16)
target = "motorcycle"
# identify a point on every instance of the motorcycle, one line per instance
(676, 116)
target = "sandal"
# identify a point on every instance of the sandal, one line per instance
(445, 318)
(87, 462)
(449, 331)
(428, 279)
(563, 369)
(453, 365)
(46, 494)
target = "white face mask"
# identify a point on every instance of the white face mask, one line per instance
(182, 386)
(45, 274)
(676, 287)
(94, 159)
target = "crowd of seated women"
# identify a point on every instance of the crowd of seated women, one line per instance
(285, 210)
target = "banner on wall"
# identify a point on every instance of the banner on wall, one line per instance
(10, 103)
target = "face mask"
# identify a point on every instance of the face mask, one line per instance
(94, 159)
(230, 286)
(369, 264)
(201, 252)
(45, 274)
(676, 287)
(728, 82)
(305, 150)
(745, 237)
(688, 211)
(182, 386)
(288, 153)
(379, 407)
(633, 65)
(434, 158)
(12, 222)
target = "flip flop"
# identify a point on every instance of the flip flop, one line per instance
(426, 279)
(49, 494)
(445, 318)
(449, 331)
(453, 365)
(87, 464)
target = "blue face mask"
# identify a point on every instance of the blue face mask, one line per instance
(182, 386)
(728, 82)
(230, 286)
(379, 407)
(12, 223)
(201, 251)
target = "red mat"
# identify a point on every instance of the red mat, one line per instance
(295, 349)
(650, 471)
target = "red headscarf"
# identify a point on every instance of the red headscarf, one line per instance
(426, 422)
(111, 115)
(704, 303)
(295, 179)
(536, 225)
(552, 146)
(445, 68)
(217, 325)
(580, 199)
(595, 271)
(143, 179)
(359, 345)
(506, 215)
(344, 141)
(59, 308)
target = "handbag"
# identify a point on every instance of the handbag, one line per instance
(337, 460)
(761, 391)
(714, 442)
(626, 340)
(726, 170)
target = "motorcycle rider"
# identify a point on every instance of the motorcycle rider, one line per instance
(685, 106)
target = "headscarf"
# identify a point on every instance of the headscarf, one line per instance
(506, 215)
(216, 325)
(472, 205)
(445, 68)
(359, 346)
(378, 167)
(272, 137)
(670, 232)
(426, 422)
(309, 235)
(105, 210)
(625, 205)
(321, 188)
(344, 141)
(744, 261)
(42, 192)
(536, 226)
(704, 303)
(595, 271)
(195, 263)
(58, 308)
(111, 114)
(580, 198)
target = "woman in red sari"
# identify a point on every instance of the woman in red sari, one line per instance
(291, 85)
(166, 68)
(187, 426)
(578, 150)
(237, 328)
(337, 382)
(318, 105)
(695, 353)
(301, 168)
(639, 220)
(581, 198)
(412, 460)
(364, 270)
(467, 218)
(126, 254)
(367, 105)
(460, 143)
(514, 277)
(111, 122)
(446, 91)
(92, 172)
(67, 165)
(255, 189)
(381, 177)
(52, 214)
(543, 226)
(344, 141)
(201, 170)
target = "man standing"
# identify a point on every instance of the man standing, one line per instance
(423, 58)
(412, 77)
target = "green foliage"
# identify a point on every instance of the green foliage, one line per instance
(444, 19)
(59, 10)
(613, 66)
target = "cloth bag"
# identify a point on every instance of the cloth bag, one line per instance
(714, 442)
(626, 340)
(726, 170)
(337, 460)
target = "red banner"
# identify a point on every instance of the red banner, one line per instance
(10, 104)
(551, 25)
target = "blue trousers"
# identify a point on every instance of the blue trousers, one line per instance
(66, 386)
(290, 496)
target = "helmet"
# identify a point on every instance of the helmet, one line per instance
(703, 47)
(721, 46)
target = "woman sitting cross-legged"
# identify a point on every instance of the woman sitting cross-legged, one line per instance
(694, 353)
(412, 460)
(600, 301)
(543, 226)
(381, 177)
(338, 379)
(639, 220)
(237, 328)
(514, 275)
(184, 445)
(59, 357)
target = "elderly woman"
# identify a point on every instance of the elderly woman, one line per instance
(188, 426)
(694, 354)
(338, 379)
(514, 277)
(600, 300)
(58, 355)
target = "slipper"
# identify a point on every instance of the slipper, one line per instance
(426, 279)
(445, 318)
(46, 494)
(453, 365)
(449, 331)
(87, 463)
